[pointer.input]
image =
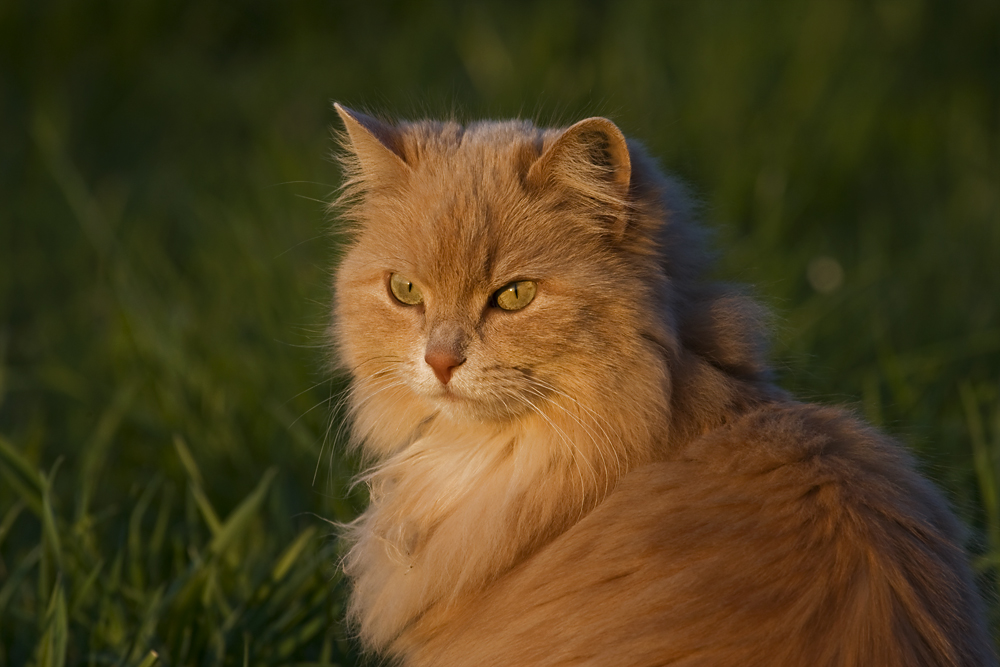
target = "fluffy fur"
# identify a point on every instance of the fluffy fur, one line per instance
(609, 477)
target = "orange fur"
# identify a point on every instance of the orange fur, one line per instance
(609, 477)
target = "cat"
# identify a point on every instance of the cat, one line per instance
(578, 455)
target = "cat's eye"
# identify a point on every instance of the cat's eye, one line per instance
(515, 295)
(404, 290)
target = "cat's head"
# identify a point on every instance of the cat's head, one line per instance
(498, 273)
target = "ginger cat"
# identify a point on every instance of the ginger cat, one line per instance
(578, 456)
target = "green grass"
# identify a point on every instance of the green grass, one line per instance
(169, 453)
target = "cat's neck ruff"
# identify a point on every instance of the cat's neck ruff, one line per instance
(462, 503)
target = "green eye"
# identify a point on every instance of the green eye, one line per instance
(515, 296)
(404, 290)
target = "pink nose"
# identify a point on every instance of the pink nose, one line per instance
(443, 362)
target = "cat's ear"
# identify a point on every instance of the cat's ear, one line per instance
(591, 158)
(377, 146)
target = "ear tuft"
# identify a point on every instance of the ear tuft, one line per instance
(377, 146)
(590, 157)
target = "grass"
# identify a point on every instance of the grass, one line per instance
(169, 452)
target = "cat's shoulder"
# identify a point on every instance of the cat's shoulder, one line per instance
(790, 436)
(799, 456)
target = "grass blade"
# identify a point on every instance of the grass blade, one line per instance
(21, 475)
(96, 452)
(9, 518)
(52, 647)
(292, 553)
(135, 540)
(984, 465)
(14, 579)
(239, 521)
(149, 660)
(197, 486)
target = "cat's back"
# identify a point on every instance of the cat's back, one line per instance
(794, 535)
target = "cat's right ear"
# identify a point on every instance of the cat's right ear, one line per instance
(592, 159)
(377, 146)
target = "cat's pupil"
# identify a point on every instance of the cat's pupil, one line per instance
(515, 295)
(404, 290)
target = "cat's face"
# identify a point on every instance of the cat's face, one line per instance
(475, 293)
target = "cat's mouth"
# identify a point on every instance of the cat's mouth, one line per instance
(442, 394)
(458, 406)
(463, 407)
(447, 394)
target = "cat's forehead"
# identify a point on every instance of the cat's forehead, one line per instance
(465, 203)
(484, 158)
(461, 232)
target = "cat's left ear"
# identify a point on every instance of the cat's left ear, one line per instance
(591, 158)
(378, 146)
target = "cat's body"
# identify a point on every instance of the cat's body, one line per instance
(578, 456)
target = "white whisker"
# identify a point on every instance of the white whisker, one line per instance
(615, 443)
(574, 452)
(591, 436)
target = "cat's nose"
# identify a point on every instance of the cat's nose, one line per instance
(443, 362)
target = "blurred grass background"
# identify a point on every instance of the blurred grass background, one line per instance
(167, 451)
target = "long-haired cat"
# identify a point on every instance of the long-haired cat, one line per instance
(578, 456)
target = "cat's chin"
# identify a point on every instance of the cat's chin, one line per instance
(460, 408)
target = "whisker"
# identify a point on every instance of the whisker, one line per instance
(304, 391)
(591, 436)
(616, 443)
(342, 401)
(322, 446)
(574, 453)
